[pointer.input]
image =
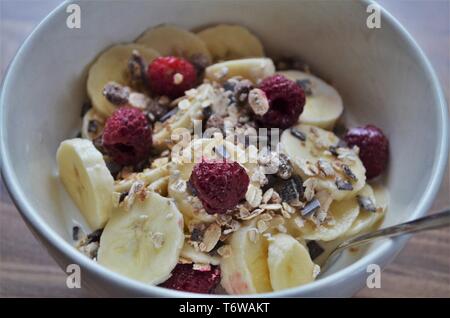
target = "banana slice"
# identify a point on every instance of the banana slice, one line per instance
(112, 65)
(366, 219)
(342, 214)
(253, 69)
(307, 154)
(172, 40)
(92, 125)
(246, 271)
(228, 42)
(289, 263)
(324, 106)
(188, 252)
(87, 179)
(143, 243)
(148, 176)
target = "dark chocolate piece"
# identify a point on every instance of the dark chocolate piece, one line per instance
(310, 207)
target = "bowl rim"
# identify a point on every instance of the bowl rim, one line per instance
(47, 234)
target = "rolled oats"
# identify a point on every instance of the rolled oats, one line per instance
(211, 236)
(253, 195)
(258, 101)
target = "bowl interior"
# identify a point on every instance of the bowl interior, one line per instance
(379, 74)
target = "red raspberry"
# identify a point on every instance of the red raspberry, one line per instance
(127, 137)
(163, 79)
(373, 148)
(220, 185)
(185, 278)
(286, 101)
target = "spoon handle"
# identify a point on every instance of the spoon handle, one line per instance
(429, 222)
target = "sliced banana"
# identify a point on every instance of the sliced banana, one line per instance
(86, 178)
(112, 65)
(228, 42)
(366, 220)
(289, 263)
(246, 271)
(143, 243)
(324, 106)
(148, 176)
(253, 69)
(172, 40)
(92, 125)
(315, 148)
(341, 216)
(188, 252)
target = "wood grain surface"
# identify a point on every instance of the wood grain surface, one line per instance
(421, 270)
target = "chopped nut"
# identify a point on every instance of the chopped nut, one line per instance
(116, 94)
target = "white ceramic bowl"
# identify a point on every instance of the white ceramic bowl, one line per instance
(382, 74)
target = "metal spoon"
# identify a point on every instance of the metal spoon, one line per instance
(429, 222)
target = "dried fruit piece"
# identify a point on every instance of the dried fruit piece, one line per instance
(220, 185)
(127, 137)
(171, 76)
(373, 148)
(286, 100)
(186, 278)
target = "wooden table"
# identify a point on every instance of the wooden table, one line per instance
(421, 270)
